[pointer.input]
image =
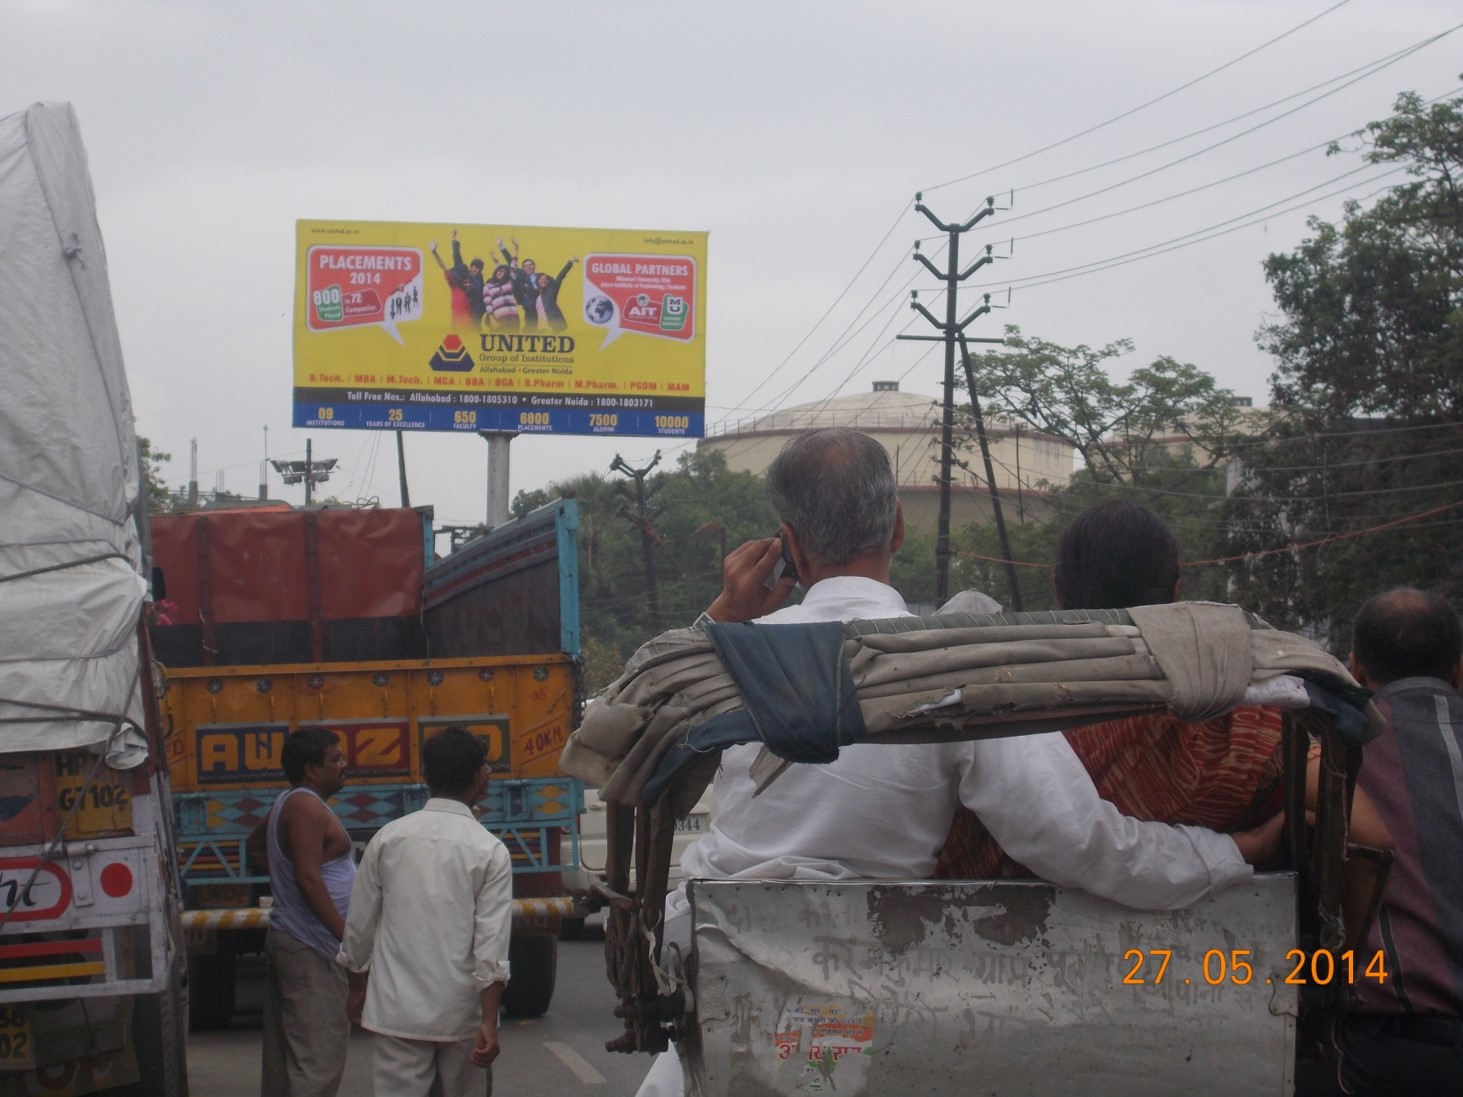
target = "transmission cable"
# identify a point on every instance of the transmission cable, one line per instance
(1142, 106)
(1217, 144)
(1365, 70)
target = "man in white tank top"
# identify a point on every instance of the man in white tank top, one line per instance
(311, 871)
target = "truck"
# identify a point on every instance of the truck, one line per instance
(1010, 986)
(338, 617)
(92, 982)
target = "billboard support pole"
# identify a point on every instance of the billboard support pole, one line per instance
(498, 441)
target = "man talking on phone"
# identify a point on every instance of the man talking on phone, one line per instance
(881, 812)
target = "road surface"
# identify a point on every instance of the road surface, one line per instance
(545, 1057)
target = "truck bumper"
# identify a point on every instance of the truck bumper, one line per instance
(525, 911)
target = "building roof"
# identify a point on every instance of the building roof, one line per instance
(883, 408)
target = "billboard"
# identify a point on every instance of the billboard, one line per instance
(403, 326)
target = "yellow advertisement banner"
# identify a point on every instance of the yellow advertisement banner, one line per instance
(403, 326)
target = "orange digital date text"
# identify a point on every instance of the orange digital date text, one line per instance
(1148, 967)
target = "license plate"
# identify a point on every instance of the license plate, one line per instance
(96, 802)
(692, 824)
(17, 1050)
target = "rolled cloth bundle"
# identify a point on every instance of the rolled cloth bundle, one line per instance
(805, 690)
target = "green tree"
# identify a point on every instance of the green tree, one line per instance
(1370, 322)
(1160, 438)
(1367, 394)
(1189, 498)
(1121, 429)
(912, 571)
(699, 508)
(159, 500)
(526, 502)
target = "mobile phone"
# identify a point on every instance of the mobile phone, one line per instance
(784, 568)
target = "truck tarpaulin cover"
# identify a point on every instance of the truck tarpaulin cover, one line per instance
(71, 588)
(290, 586)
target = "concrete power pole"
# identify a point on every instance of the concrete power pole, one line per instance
(193, 472)
(401, 469)
(640, 517)
(950, 329)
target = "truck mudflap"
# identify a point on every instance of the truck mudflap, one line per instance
(869, 988)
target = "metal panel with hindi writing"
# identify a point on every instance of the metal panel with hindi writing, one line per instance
(1005, 987)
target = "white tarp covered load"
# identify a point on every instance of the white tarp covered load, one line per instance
(71, 589)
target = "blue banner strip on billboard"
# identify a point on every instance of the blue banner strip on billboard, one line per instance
(624, 415)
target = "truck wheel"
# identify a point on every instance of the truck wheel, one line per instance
(159, 1040)
(211, 980)
(534, 961)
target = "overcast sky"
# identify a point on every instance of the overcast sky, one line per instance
(795, 133)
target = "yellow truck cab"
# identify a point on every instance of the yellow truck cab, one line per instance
(339, 618)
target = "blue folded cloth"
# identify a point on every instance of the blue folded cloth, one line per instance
(1345, 705)
(798, 698)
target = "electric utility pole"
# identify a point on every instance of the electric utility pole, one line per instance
(401, 468)
(308, 472)
(950, 329)
(640, 517)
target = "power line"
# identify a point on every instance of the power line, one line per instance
(1025, 483)
(1058, 508)
(1349, 534)
(844, 338)
(1210, 232)
(1144, 106)
(1380, 62)
(767, 412)
(1243, 441)
(1176, 243)
(1193, 190)
(848, 335)
(863, 361)
(1366, 462)
(842, 294)
(1201, 187)
(1387, 63)
(1245, 556)
(841, 340)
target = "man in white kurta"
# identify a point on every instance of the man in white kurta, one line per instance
(427, 936)
(881, 812)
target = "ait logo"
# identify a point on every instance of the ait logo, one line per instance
(642, 308)
(451, 357)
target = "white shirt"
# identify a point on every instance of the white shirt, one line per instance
(882, 812)
(429, 917)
